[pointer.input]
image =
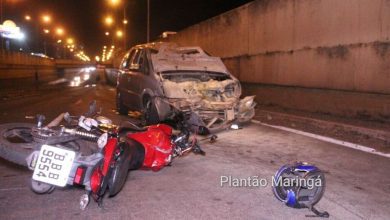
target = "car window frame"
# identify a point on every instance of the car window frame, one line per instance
(134, 65)
(145, 64)
(127, 59)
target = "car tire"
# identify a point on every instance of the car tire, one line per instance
(120, 107)
(150, 112)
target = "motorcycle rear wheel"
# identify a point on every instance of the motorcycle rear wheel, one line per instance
(16, 143)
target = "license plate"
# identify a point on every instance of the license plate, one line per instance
(53, 165)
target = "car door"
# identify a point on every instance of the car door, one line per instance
(145, 80)
(126, 81)
(136, 68)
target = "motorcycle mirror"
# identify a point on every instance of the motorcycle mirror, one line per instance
(92, 109)
(40, 120)
(67, 117)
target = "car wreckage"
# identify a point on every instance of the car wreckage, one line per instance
(157, 77)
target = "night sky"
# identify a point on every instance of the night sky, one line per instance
(84, 18)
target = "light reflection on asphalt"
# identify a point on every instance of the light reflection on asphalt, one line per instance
(78, 77)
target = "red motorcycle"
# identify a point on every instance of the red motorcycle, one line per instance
(121, 148)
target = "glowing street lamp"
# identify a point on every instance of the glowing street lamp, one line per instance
(107, 33)
(27, 18)
(46, 31)
(125, 21)
(119, 33)
(109, 20)
(69, 41)
(60, 31)
(114, 3)
(46, 19)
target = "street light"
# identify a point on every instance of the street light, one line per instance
(60, 31)
(46, 31)
(114, 3)
(119, 33)
(109, 20)
(107, 33)
(27, 17)
(46, 19)
(148, 22)
(69, 41)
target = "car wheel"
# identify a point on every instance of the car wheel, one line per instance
(150, 112)
(120, 107)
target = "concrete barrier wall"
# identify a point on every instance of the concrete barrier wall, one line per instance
(18, 65)
(305, 46)
(331, 44)
(15, 65)
(19, 58)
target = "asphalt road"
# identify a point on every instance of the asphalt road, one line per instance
(358, 183)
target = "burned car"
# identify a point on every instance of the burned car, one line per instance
(154, 78)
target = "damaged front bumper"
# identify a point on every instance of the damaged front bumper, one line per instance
(215, 116)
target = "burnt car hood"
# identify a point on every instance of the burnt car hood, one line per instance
(170, 58)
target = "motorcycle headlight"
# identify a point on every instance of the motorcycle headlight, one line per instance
(102, 141)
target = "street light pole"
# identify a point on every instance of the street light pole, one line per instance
(1, 11)
(148, 23)
(1, 22)
(124, 28)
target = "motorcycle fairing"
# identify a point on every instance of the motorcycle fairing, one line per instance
(157, 143)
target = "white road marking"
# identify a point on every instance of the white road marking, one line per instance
(327, 139)
(15, 188)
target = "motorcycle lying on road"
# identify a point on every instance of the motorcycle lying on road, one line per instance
(119, 149)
